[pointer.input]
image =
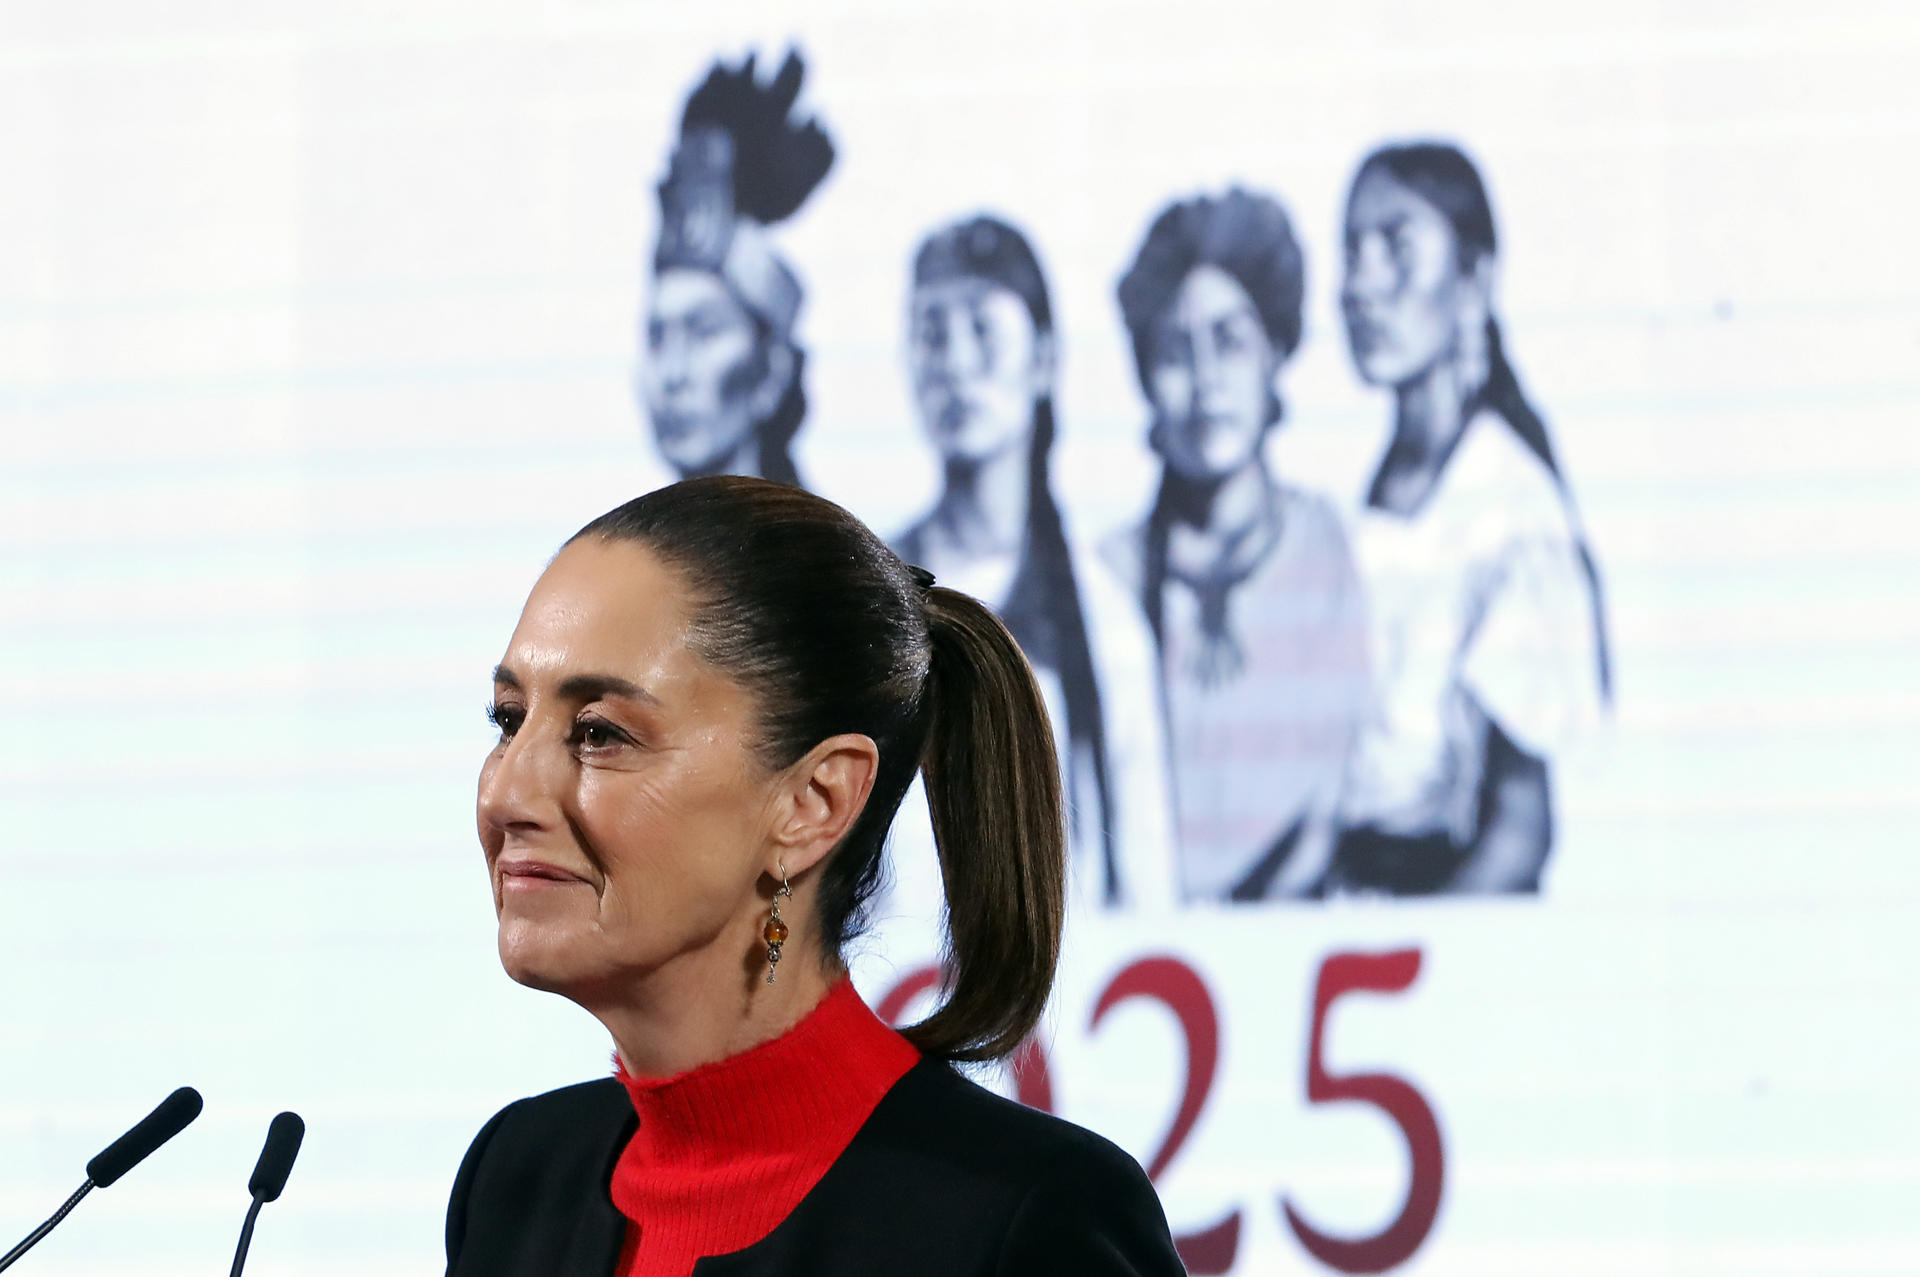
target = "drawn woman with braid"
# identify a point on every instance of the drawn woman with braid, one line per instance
(1488, 632)
(721, 374)
(981, 351)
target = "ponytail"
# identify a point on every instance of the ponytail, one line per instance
(994, 794)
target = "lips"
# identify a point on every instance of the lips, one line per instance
(520, 872)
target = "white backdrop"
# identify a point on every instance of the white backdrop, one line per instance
(317, 335)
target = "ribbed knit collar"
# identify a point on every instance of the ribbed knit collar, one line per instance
(726, 1151)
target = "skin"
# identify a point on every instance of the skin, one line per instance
(979, 365)
(711, 374)
(633, 833)
(1212, 377)
(1212, 382)
(1415, 311)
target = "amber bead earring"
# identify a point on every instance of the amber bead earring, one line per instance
(775, 932)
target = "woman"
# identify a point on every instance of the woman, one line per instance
(1245, 579)
(981, 353)
(721, 377)
(713, 703)
(1488, 638)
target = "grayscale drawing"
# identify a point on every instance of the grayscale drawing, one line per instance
(981, 356)
(1488, 638)
(721, 375)
(1245, 578)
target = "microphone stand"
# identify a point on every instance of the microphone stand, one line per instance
(6, 1261)
(246, 1236)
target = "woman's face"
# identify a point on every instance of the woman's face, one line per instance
(1404, 293)
(979, 364)
(708, 372)
(1211, 377)
(623, 811)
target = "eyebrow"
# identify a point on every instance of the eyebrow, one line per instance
(585, 687)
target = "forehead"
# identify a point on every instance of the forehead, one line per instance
(1379, 199)
(1209, 294)
(969, 292)
(684, 291)
(609, 607)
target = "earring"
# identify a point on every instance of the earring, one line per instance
(775, 932)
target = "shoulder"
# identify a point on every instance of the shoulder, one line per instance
(535, 1176)
(1031, 1192)
(1494, 478)
(1124, 552)
(1310, 520)
(575, 1112)
(963, 1123)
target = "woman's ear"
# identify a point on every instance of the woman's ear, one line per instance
(774, 382)
(824, 793)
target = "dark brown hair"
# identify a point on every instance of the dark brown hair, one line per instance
(832, 633)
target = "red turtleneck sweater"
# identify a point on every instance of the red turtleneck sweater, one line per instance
(725, 1152)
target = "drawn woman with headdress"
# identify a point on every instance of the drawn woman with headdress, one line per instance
(982, 358)
(721, 376)
(1245, 578)
(1488, 638)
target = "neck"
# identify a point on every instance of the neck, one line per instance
(983, 505)
(744, 459)
(1224, 508)
(709, 1004)
(1429, 414)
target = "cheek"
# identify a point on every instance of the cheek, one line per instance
(672, 845)
(1172, 393)
(734, 369)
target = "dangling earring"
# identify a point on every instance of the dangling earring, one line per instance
(775, 932)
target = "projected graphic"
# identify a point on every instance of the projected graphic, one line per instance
(1488, 644)
(1244, 577)
(982, 361)
(1451, 467)
(722, 376)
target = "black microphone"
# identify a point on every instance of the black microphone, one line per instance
(284, 1134)
(121, 1156)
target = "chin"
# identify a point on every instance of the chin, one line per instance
(537, 956)
(1379, 367)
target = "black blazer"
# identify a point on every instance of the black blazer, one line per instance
(945, 1178)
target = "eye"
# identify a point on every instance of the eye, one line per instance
(507, 718)
(596, 735)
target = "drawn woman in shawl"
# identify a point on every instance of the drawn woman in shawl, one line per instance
(982, 358)
(1245, 578)
(721, 376)
(1487, 633)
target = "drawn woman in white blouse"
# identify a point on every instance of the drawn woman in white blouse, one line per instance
(1245, 578)
(1487, 637)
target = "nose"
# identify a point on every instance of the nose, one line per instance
(671, 365)
(961, 353)
(1370, 274)
(517, 792)
(1208, 366)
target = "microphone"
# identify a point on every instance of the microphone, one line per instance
(269, 1177)
(121, 1156)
